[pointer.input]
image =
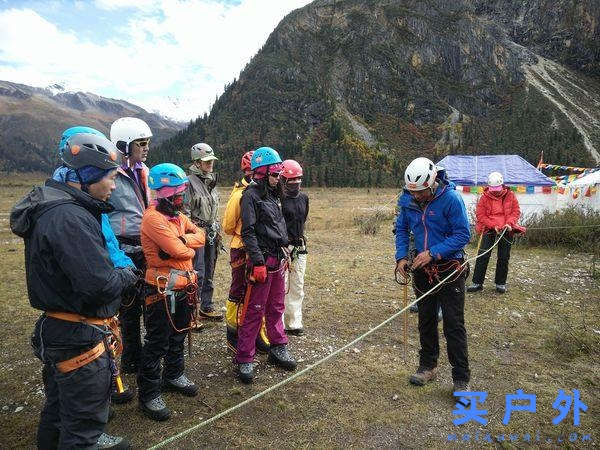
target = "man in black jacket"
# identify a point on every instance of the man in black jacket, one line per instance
(295, 211)
(264, 234)
(72, 279)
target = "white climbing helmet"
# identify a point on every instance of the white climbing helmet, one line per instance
(127, 129)
(420, 174)
(495, 179)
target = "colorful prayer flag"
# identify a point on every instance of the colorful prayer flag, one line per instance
(530, 189)
(547, 189)
(521, 189)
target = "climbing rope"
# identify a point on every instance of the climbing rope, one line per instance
(320, 361)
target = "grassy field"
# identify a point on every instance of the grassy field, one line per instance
(542, 336)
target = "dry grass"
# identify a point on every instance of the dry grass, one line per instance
(538, 337)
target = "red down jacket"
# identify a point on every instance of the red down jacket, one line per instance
(496, 211)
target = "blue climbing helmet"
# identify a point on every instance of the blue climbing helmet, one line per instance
(264, 156)
(166, 175)
(76, 130)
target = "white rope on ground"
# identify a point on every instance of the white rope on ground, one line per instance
(321, 361)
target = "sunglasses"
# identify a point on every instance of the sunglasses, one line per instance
(142, 143)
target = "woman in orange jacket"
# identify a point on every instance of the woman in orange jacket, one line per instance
(169, 240)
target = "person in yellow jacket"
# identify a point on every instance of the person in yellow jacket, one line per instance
(232, 226)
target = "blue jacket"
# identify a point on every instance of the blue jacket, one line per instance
(117, 256)
(442, 227)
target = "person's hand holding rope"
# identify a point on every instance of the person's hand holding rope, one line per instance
(402, 268)
(422, 259)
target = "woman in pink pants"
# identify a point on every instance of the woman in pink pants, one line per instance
(264, 235)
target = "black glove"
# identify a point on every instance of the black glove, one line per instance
(163, 255)
(130, 276)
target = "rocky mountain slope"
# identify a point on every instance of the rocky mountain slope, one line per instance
(354, 88)
(31, 120)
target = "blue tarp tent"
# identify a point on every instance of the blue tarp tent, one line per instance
(473, 170)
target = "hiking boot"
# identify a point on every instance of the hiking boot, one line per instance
(246, 372)
(210, 313)
(414, 308)
(280, 356)
(423, 376)
(461, 386)
(124, 397)
(106, 441)
(262, 346)
(500, 288)
(197, 327)
(474, 287)
(295, 332)
(129, 368)
(232, 340)
(182, 385)
(156, 409)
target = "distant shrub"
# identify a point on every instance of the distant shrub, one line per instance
(369, 223)
(579, 230)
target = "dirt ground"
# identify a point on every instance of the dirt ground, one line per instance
(541, 336)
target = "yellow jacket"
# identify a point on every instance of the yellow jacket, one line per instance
(232, 219)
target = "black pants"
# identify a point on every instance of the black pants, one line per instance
(76, 408)
(204, 263)
(501, 264)
(130, 314)
(451, 297)
(162, 341)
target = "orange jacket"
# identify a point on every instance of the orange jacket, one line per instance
(160, 232)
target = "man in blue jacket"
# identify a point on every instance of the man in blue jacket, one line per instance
(432, 210)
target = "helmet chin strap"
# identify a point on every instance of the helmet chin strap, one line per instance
(83, 186)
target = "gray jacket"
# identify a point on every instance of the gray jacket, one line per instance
(129, 204)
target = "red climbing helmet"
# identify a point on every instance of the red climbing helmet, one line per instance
(291, 169)
(246, 160)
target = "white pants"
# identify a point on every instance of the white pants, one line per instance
(292, 317)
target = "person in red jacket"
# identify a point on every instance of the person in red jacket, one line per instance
(497, 209)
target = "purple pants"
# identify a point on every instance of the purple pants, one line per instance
(266, 299)
(238, 274)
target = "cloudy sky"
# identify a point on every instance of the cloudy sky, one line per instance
(174, 56)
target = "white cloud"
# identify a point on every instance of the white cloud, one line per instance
(118, 4)
(183, 49)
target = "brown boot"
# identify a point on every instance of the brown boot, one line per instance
(210, 313)
(423, 376)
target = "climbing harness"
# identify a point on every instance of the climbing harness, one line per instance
(168, 295)
(111, 343)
